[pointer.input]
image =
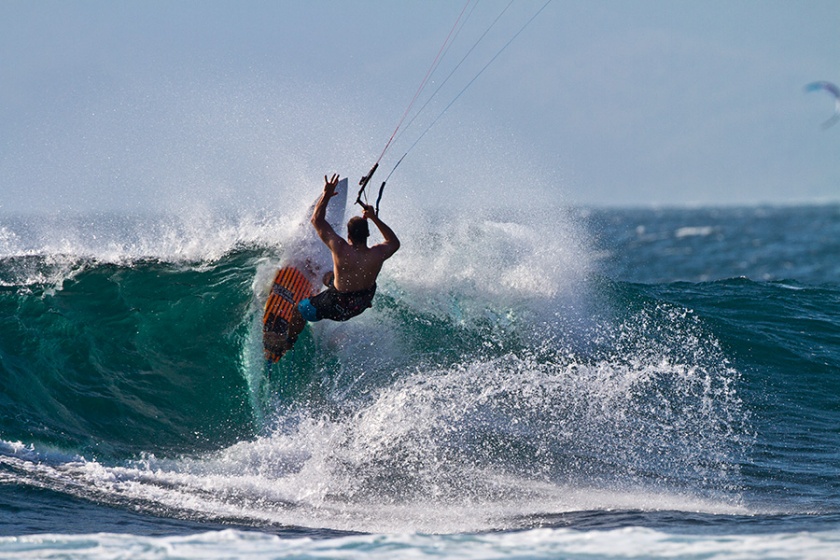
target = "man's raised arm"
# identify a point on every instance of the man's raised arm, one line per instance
(319, 215)
(391, 243)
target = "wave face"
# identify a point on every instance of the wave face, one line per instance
(124, 358)
(503, 379)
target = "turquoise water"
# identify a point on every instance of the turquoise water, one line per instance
(604, 384)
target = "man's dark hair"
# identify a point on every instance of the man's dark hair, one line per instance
(357, 230)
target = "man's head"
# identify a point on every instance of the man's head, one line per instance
(357, 230)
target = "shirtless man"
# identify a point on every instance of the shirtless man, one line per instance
(352, 283)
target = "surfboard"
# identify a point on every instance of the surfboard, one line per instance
(304, 264)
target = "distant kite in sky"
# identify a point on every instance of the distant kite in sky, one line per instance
(833, 90)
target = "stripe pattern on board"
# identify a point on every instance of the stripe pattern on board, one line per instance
(290, 288)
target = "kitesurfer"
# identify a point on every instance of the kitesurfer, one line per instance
(352, 283)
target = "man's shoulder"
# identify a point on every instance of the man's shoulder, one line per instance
(385, 249)
(331, 237)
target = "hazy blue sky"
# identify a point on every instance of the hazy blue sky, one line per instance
(112, 104)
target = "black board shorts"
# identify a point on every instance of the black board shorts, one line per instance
(336, 306)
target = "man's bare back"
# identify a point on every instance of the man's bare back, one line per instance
(355, 267)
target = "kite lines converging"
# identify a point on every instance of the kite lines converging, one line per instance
(464, 15)
(833, 90)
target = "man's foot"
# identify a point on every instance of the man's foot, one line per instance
(276, 342)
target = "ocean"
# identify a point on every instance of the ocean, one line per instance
(557, 383)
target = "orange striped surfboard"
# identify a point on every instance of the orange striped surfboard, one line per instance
(290, 288)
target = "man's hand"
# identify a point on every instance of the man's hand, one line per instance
(368, 213)
(330, 185)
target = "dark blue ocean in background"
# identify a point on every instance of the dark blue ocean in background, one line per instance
(563, 383)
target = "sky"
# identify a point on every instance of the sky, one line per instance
(124, 104)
